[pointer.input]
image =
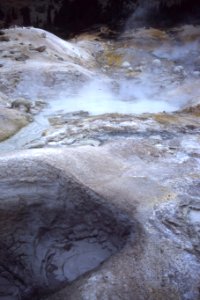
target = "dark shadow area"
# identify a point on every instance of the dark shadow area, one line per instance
(71, 18)
(88, 16)
(164, 15)
(80, 16)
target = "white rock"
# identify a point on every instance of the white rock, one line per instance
(194, 216)
(139, 69)
(196, 73)
(178, 69)
(157, 62)
(126, 64)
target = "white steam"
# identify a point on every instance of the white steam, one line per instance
(175, 52)
(154, 88)
(98, 97)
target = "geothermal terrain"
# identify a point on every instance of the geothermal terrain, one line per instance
(100, 164)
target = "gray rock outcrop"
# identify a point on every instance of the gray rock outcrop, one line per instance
(55, 228)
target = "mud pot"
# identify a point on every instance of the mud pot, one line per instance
(52, 231)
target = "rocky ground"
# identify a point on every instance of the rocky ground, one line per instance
(121, 117)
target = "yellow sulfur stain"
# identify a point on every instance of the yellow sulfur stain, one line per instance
(113, 59)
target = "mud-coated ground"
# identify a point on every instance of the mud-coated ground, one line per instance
(121, 118)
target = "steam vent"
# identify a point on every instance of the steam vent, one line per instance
(99, 150)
